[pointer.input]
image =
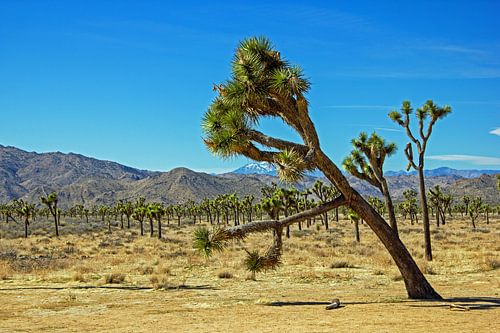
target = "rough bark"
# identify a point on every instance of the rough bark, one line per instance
(425, 214)
(416, 284)
(390, 206)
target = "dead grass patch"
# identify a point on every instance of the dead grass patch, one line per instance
(115, 278)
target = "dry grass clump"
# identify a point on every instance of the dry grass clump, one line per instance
(160, 282)
(428, 268)
(225, 275)
(5, 271)
(489, 263)
(115, 278)
(342, 264)
(145, 270)
(79, 277)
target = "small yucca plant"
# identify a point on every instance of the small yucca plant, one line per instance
(254, 263)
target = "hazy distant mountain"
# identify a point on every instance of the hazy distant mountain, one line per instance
(444, 171)
(267, 168)
(80, 179)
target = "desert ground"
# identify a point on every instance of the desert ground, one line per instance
(95, 281)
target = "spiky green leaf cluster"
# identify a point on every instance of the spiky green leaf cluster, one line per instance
(262, 84)
(207, 242)
(291, 165)
(254, 262)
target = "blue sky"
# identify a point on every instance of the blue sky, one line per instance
(129, 81)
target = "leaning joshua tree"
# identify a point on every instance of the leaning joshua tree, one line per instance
(366, 162)
(435, 113)
(263, 84)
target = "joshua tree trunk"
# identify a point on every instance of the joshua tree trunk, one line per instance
(425, 213)
(128, 222)
(159, 227)
(390, 206)
(356, 230)
(142, 227)
(56, 224)
(151, 227)
(416, 284)
(26, 223)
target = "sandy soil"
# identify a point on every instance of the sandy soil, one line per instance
(71, 294)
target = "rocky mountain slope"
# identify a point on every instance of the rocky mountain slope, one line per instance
(80, 179)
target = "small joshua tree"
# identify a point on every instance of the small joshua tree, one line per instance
(366, 162)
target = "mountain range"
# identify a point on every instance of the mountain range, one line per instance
(80, 179)
(266, 168)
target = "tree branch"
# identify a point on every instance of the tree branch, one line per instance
(242, 230)
(409, 157)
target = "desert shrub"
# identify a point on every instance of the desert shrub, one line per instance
(115, 278)
(342, 264)
(396, 277)
(489, 264)
(225, 275)
(428, 269)
(165, 270)
(160, 282)
(79, 277)
(145, 270)
(5, 271)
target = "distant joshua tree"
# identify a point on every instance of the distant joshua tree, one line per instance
(51, 202)
(435, 113)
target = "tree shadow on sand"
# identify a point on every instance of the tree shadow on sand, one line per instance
(457, 303)
(172, 287)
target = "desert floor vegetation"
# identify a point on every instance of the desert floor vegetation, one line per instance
(92, 280)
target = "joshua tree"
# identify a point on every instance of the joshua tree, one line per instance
(288, 198)
(475, 207)
(128, 210)
(354, 217)
(265, 85)
(26, 210)
(466, 202)
(155, 211)
(377, 204)
(366, 162)
(435, 113)
(324, 193)
(441, 203)
(51, 202)
(140, 213)
(409, 206)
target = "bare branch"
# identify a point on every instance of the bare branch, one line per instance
(261, 226)
(409, 156)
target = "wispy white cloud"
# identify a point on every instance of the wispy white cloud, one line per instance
(479, 160)
(388, 129)
(378, 107)
(496, 131)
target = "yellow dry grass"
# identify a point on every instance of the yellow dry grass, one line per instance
(122, 282)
